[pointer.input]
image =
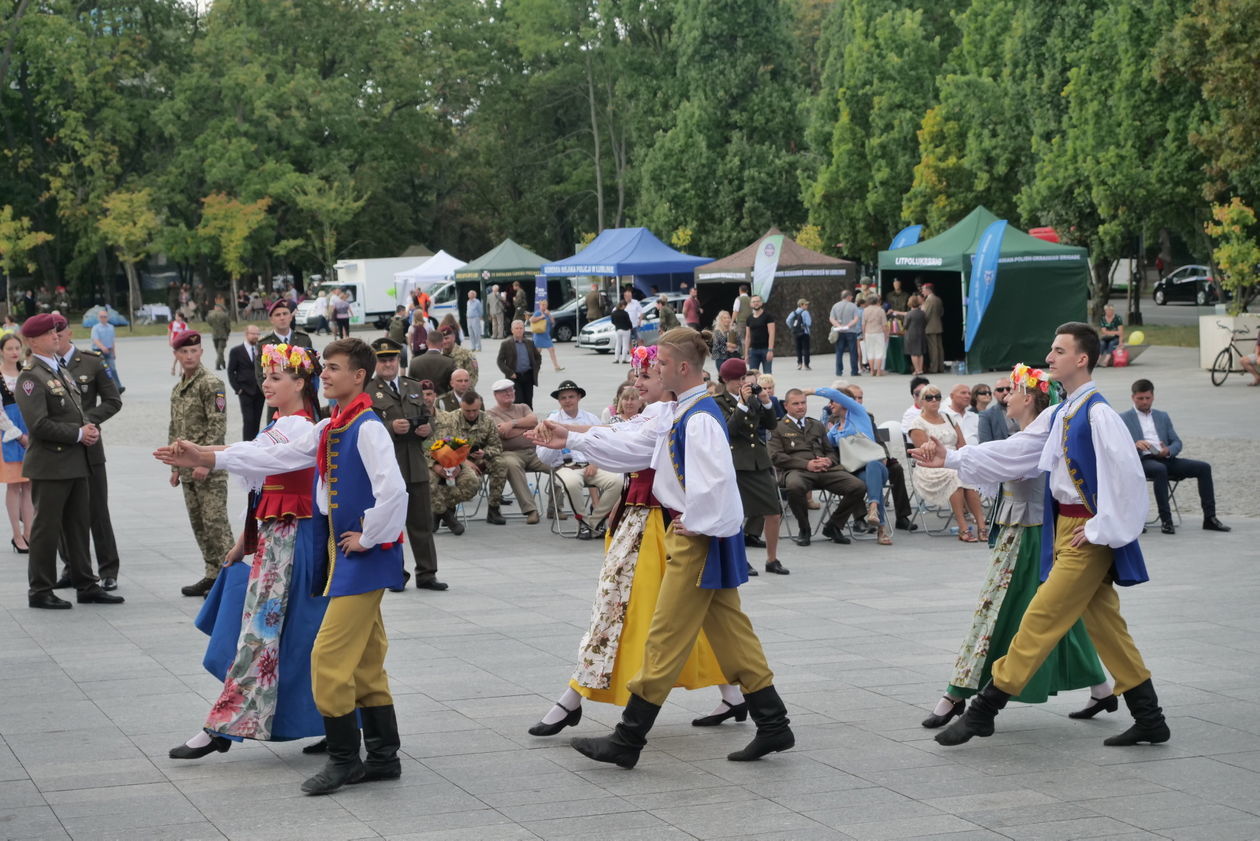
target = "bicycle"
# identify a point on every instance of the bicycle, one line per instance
(1230, 358)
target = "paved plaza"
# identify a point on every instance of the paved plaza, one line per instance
(862, 639)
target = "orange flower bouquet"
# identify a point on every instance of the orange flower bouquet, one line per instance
(449, 454)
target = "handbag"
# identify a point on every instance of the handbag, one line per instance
(857, 450)
(834, 335)
(539, 326)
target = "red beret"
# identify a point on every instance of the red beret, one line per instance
(280, 303)
(732, 369)
(446, 330)
(61, 323)
(38, 325)
(186, 338)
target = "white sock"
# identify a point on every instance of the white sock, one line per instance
(570, 699)
(1100, 690)
(944, 705)
(730, 696)
(199, 741)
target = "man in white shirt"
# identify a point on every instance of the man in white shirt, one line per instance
(635, 311)
(916, 385)
(1098, 494)
(577, 472)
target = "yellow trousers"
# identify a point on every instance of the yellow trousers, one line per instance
(683, 608)
(348, 658)
(1079, 586)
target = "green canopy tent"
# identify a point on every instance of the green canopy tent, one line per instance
(1039, 286)
(500, 266)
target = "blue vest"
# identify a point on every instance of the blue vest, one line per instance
(727, 564)
(350, 494)
(1128, 567)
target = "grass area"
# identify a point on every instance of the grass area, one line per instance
(1169, 335)
(160, 329)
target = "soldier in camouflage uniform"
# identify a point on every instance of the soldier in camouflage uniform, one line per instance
(462, 356)
(221, 330)
(485, 456)
(199, 415)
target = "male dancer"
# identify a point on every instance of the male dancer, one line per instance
(364, 502)
(1095, 509)
(695, 479)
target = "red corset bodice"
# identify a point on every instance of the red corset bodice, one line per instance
(640, 490)
(287, 495)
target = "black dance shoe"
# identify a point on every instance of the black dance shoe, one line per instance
(217, 744)
(1097, 705)
(570, 720)
(739, 712)
(934, 721)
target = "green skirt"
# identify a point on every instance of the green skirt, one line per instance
(1011, 584)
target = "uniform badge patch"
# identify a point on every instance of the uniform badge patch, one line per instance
(379, 395)
(220, 402)
(28, 387)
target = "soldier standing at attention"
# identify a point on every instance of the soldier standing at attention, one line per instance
(399, 402)
(282, 333)
(199, 414)
(57, 465)
(221, 330)
(396, 332)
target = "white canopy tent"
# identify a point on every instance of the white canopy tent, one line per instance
(437, 269)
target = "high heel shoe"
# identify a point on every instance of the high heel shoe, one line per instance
(737, 711)
(19, 549)
(570, 720)
(217, 743)
(934, 721)
(1096, 705)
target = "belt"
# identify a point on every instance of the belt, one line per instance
(1079, 511)
(577, 465)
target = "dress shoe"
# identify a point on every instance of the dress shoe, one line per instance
(108, 584)
(532, 519)
(934, 721)
(833, 531)
(217, 743)
(506, 502)
(1209, 524)
(570, 720)
(552, 515)
(98, 596)
(494, 517)
(803, 538)
(739, 712)
(63, 582)
(452, 522)
(904, 524)
(401, 588)
(1096, 705)
(752, 573)
(48, 601)
(1167, 527)
(777, 568)
(201, 588)
(431, 584)
(754, 540)
(19, 549)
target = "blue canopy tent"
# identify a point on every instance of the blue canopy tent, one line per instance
(629, 252)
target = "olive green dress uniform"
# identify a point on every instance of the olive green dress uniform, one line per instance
(408, 403)
(754, 473)
(463, 358)
(199, 415)
(57, 466)
(100, 400)
(481, 435)
(792, 446)
(220, 331)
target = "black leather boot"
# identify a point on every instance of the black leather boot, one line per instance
(1148, 718)
(622, 746)
(977, 720)
(773, 734)
(343, 766)
(381, 743)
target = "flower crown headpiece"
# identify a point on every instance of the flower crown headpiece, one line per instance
(1027, 379)
(286, 357)
(643, 356)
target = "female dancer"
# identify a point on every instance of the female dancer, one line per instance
(17, 493)
(611, 652)
(1012, 581)
(260, 615)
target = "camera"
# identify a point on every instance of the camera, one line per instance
(755, 390)
(416, 423)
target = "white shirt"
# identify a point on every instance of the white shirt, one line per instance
(382, 523)
(1147, 421)
(710, 504)
(635, 312)
(1122, 503)
(555, 458)
(969, 423)
(911, 413)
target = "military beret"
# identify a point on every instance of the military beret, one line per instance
(278, 304)
(186, 338)
(386, 346)
(446, 330)
(38, 325)
(428, 385)
(732, 369)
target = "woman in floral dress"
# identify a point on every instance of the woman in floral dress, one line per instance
(611, 652)
(260, 615)
(1014, 575)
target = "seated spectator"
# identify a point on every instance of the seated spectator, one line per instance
(1111, 332)
(428, 390)
(981, 397)
(1159, 447)
(461, 384)
(605, 416)
(572, 468)
(847, 419)
(995, 425)
(916, 388)
(767, 384)
(485, 456)
(512, 420)
(939, 486)
(629, 404)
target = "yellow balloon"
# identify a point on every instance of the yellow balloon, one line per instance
(1137, 337)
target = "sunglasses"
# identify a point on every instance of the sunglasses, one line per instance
(1002, 388)
(983, 393)
(932, 397)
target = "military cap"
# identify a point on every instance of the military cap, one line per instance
(386, 346)
(38, 325)
(186, 338)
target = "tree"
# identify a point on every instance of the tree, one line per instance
(1237, 253)
(129, 224)
(17, 241)
(229, 223)
(329, 205)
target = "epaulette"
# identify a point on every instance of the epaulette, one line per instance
(90, 352)
(28, 365)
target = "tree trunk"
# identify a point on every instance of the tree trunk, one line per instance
(599, 163)
(133, 293)
(232, 312)
(1101, 288)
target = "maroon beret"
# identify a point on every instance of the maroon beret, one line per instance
(446, 330)
(280, 303)
(186, 338)
(61, 323)
(732, 369)
(38, 325)
(428, 385)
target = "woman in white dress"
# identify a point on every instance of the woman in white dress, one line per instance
(875, 335)
(940, 486)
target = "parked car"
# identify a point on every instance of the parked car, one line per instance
(598, 335)
(1193, 283)
(564, 321)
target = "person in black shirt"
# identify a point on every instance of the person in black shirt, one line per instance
(759, 338)
(623, 325)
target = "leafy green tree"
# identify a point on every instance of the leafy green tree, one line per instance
(17, 241)
(229, 223)
(1237, 252)
(329, 205)
(129, 225)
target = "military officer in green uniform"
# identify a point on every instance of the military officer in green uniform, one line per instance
(485, 456)
(396, 332)
(220, 330)
(57, 466)
(199, 414)
(282, 333)
(461, 356)
(400, 404)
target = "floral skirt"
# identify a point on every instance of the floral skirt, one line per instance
(611, 652)
(1013, 579)
(262, 625)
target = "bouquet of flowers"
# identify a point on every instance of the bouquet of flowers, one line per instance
(449, 454)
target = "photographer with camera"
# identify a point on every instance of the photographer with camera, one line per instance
(399, 402)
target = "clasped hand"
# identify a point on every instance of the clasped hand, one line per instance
(549, 434)
(929, 454)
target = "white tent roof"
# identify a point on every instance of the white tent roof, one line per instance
(439, 267)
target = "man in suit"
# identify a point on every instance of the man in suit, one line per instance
(800, 452)
(57, 466)
(934, 310)
(433, 364)
(400, 405)
(242, 362)
(1159, 447)
(100, 400)
(748, 411)
(282, 332)
(994, 424)
(519, 362)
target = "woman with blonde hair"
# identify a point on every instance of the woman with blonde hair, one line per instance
(17, 494)
(875, 335)
(940, 486)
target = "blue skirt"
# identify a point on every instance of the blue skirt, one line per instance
(542, 341)
(13, 450)
(220, 618)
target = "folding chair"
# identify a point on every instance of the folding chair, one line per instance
(556, 510)
(1175, 509)
(534, 481)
